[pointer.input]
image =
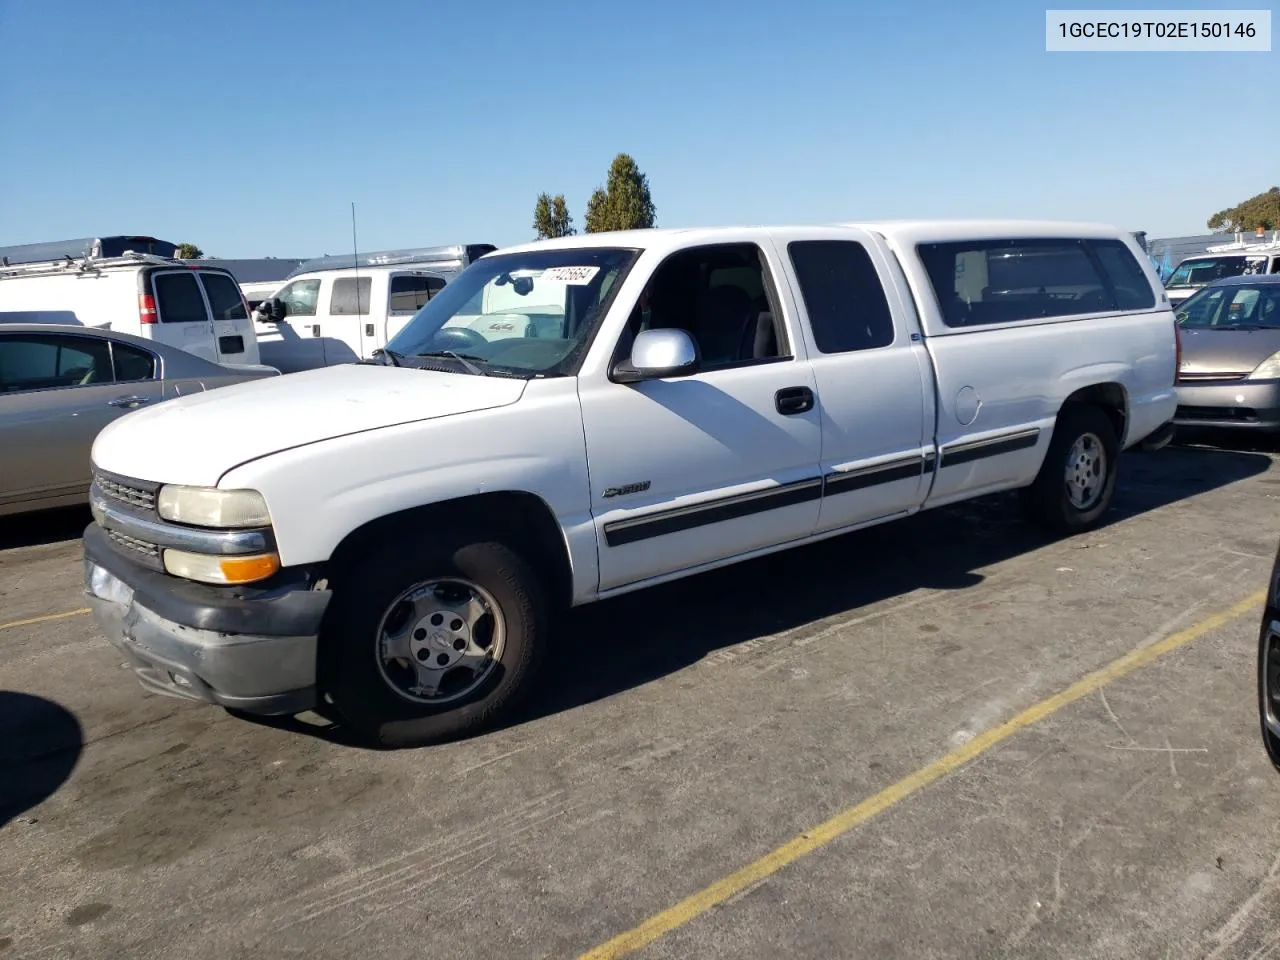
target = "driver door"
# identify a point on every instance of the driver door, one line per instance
(696, 469)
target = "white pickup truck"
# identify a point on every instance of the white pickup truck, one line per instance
(391, 540)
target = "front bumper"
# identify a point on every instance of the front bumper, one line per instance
(1236, 404)
(250, 650)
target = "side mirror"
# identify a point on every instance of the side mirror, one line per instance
(659, 353)
(272, 310)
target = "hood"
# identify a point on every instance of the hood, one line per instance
(195, 439)
(1226, 351)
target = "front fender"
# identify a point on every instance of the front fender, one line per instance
(320, 493)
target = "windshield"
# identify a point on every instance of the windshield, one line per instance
(1255, 306)
(523, 314)
(1201, 270)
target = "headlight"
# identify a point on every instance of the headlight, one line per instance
(1268, 369)
(210, 507)
(225, 570)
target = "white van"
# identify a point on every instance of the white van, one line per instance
(176, 302)
(334, 310)
(1225, 260)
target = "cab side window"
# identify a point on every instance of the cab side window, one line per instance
(299, 298)
(44, 362)
(721, 295)
(409, 292)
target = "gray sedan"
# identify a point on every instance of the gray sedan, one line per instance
(61, 384)
(1230, 370)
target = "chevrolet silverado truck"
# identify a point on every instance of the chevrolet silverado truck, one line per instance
(390, 541)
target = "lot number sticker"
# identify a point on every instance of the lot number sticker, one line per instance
(576, 276)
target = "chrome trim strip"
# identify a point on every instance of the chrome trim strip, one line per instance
(990, 446)
(167, 535)
(679, 519)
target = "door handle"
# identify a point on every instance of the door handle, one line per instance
(791, 400)
(315, 330)
(368, 329)
(127, 401)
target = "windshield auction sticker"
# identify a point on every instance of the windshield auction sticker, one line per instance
(571, 275)
(1186, 31)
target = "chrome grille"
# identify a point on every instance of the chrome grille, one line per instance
(131, 544)
(126, 493)
(1184, 377)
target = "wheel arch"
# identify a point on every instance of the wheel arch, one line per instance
(1110, 397)
(521, 519)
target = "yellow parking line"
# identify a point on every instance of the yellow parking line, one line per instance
(844, 821)
(48, 616)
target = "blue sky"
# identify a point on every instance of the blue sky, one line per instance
(249, 127)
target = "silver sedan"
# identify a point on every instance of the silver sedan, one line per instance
(61, 384)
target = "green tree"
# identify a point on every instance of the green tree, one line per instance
(597, 219)
(624, 203)
(551, 217)
(189, 251)
(1262, 210)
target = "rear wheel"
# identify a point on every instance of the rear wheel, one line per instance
(1078, 477)
(432, 638)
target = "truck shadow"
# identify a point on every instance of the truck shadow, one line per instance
(40, 744)
(618, 644)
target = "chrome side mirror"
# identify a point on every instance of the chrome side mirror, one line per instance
(666, 352)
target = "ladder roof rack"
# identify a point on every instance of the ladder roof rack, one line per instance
(87, 265)
(112, 246)
(448, 257)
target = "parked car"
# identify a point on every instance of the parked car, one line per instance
(61, 383)
(180, 303)
(1229, 369)
(399, 540)
(345, 308)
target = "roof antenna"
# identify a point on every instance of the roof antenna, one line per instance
(355, 258)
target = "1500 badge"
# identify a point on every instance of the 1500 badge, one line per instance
(625, 489)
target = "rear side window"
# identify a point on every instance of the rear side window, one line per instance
(132, 363)
(842, 294)
(350, 296)
(178, 298)
(1132, 288)
(409, 293)
(981, 282)
(224, 297)
(43, 362)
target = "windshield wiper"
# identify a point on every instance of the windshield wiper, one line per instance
(397, 359)
(463, 358)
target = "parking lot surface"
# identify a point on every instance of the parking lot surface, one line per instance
(697, 729)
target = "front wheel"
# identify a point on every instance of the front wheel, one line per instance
(1078, 477)
(432, 638)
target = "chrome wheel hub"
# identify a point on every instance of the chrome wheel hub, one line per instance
(1086, 471)
(439, 640)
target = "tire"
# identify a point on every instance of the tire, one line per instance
(376, 693)
(1049, 501)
